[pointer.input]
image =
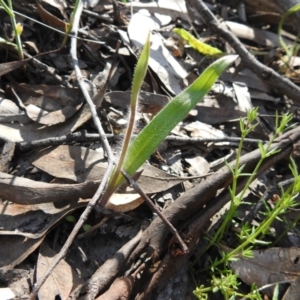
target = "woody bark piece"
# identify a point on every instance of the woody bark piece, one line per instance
(106, 273)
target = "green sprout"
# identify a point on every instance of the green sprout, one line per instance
(18, 28)
(134, 154)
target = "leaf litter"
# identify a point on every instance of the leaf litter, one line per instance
(41, 100)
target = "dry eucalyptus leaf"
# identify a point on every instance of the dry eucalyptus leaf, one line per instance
(15, 248)
(32, 131)
(149, 102)
(10, 112)
(175, 10)
(82, 164)
(33, 221)
(201, 130)
(216, 115)
(198, 165)
(62, 280)
(293, 290)
(50, 19)
(12, 65)
(161, 61)
(49, 104)
(259, 36)
(72, 162)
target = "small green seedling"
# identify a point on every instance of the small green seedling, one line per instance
(18, 28)
(134, 154)
(71, 218)
(69, 27)
(249, 235)
(292, 49)
(86, 227)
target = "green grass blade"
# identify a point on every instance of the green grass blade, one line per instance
(6, 8)
(154, 133)
(292, 10)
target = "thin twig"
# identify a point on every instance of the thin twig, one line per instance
(82, 136)
(136, 187)
(104, 140)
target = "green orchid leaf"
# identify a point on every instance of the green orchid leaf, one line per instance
(138, 78)
(175, 111)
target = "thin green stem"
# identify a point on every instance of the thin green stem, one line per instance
(70, 26)
(139, 75)
(17, 34)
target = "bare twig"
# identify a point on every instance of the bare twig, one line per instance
(104, 140)
(83, 136)
(136, 187)
(281, 84)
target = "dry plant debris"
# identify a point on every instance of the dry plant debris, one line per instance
(53, 157)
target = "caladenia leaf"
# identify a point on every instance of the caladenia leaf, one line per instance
(175, 111)
(138, 78)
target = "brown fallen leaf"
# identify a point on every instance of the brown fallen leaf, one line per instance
(48, 104)
(33, 221)
(12, 65)
(15, 248)
(50, 19)
(149, 102)
(33, 131)
(83, 164)
(62, 280)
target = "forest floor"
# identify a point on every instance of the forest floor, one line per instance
(240, 227)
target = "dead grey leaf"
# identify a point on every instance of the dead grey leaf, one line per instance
(293, 290)
(161, 61)
(198, 165)
(268, 266)
(149, 102)
(10, 112)
(262, 37)
(49, 104)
